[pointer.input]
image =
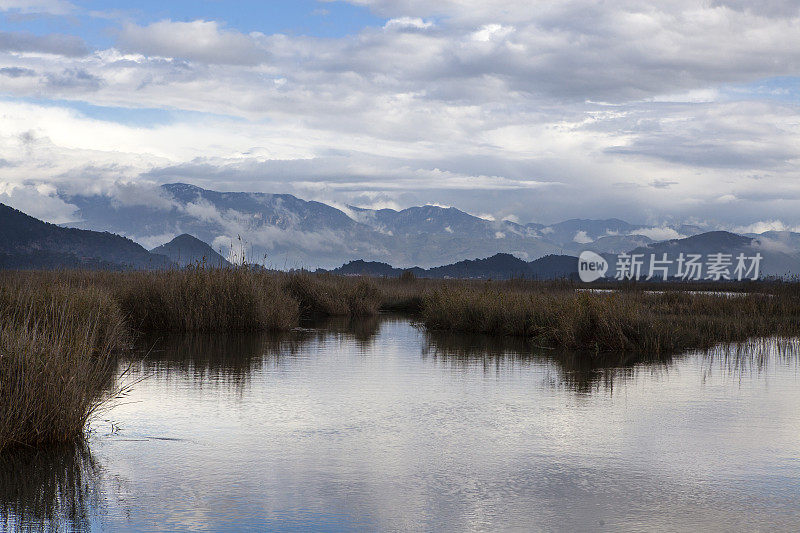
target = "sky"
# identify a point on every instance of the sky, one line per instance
(532, 111)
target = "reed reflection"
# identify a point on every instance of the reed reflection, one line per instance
(581, 372)
(586, 372)
(54, 489)
(215, 358)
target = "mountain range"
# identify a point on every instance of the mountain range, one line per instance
(184, 224)
(498, 266)
(283, 231)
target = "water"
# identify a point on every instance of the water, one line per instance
(376, 425)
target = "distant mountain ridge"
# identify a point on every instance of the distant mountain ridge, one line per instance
(294, 233)
(498, 266)
(773, 263)
(26, 242)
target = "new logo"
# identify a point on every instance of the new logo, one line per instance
(591, 266)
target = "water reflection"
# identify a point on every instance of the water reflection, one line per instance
(754, 357)
(582, 372)
(230, 360)
(56, 489)
(212, 359)
(379, 425)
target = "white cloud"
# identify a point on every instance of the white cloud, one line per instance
(659, 233)
(582, 238)
(488, 108)
(492, 32)
(39, 202)
(408, 23)
(53, 7)
(763, 226)
(199, 40)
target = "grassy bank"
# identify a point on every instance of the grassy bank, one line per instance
(625, 320)
(59, 331)
(56, 344)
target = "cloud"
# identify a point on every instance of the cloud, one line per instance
(17, 72)
(492, 107)
(73, 79)
(53, 7)
(40, 202)
(662, 184)
(581, 237)
(199, 40)
(659, 233)
(408, 24)
(764, 226)
(772, 8)
(57, 44)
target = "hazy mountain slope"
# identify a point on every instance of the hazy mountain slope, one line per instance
(186, 250)
(576, 232)
(26, 240)
(617, 244)
(277, 229)
(283, 231)
(499, 266)
(774, 262)
(292, 232)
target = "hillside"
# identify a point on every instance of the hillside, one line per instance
(498, 266)
(186, 250)
(26, 243)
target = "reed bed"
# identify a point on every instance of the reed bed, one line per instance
(628, 320)
(205, 300)
(328, 295)
(56, 348)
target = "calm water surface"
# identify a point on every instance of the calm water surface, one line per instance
(376, 425)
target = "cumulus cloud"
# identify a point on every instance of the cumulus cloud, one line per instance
(407, 24)
(38, 201)
(64, 45)
(763, 226)
(662, 233)
(199, 40)
(582, 237)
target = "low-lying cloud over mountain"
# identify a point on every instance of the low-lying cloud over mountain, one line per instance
(283, 231)
(26, 242)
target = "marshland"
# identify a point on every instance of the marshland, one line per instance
(301, 387)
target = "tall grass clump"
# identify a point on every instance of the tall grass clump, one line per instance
(56, 350)
(328, 295)
(203, 299)
(621, 321)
